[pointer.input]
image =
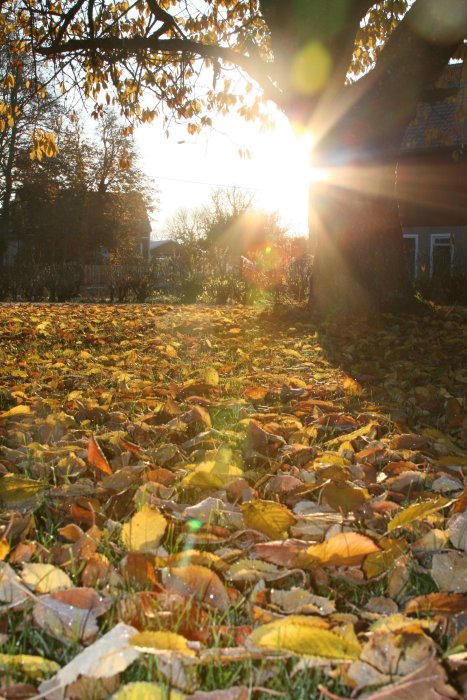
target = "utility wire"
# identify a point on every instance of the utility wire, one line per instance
(201, 182)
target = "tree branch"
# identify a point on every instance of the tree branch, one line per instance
(136, 45)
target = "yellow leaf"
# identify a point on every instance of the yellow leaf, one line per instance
(269, 517)
(417, 511)
(45, 578)
(153, 642)
(143, 690)
(20, 410)
(144, 531)
(31, 666)
(344, 549)
(343, 496)
(371, 429)
(211, 475)
(211, 376)
(4, 549)
(307, 636)
(378, 563)
(19, 492)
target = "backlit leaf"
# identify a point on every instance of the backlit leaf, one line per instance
(154, 642)
(96, 457)
(144, 531)
(45, 578)
(194, 581)
(269, 517)
(302, 635)
(143, 690)
(211, 475)
(31, 666)
(344, 549)
(417, 511)
(20, 410)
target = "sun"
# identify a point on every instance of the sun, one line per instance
(282, 160)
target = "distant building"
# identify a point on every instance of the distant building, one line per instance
(164, 248)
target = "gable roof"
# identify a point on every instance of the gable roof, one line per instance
(441, 119)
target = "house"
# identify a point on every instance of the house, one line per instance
(432, 182)
(163, 248)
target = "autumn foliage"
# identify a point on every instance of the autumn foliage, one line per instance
(212, 503)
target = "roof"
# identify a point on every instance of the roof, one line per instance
(441, 120)
(153, 245)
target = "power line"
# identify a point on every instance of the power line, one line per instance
(201, 182)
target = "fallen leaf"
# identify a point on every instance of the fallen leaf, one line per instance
(45, 578)
(20, 410)
(111, 654)
(211, 475)
(271, 518)
(155, 642)
(30, 666)
(198, 582)
(96, 457)
(449, 571)
(20, 493)
(303, 635)
(143, 690)
(437, 603)
(388, 656)
(144, 531)
(344, 549)
(64, 621)
(12, 589)
(417, 511)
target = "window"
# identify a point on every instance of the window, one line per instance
(441, 255)
(411, 253)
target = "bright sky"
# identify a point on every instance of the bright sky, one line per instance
(186, 168)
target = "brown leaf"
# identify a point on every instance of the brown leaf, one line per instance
(408, 441)
(96, 457)
(198, 581)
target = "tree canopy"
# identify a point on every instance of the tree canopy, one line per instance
(295, 51)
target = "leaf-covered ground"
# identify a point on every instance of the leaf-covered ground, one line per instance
(217, 504)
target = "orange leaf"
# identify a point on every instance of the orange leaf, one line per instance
(96, 457)
(198, 581)
(344, 549)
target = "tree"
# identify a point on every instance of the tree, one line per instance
(306, 56)
(23, 111)
(70, 207)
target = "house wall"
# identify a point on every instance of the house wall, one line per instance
(425, 237)
(432, 189)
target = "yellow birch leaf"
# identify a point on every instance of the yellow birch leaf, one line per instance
(45, 578)
(417, 511)
(156, 642)
(144, 531)
(143, 690)
(344, 549)
(4, 549)
(370, 429)
(31, 666)
(19, 492)
(210, 375)
(269, 517)
(20, 410)
(302, 635)
(211, 475)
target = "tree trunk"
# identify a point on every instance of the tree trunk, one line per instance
(357, 238)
